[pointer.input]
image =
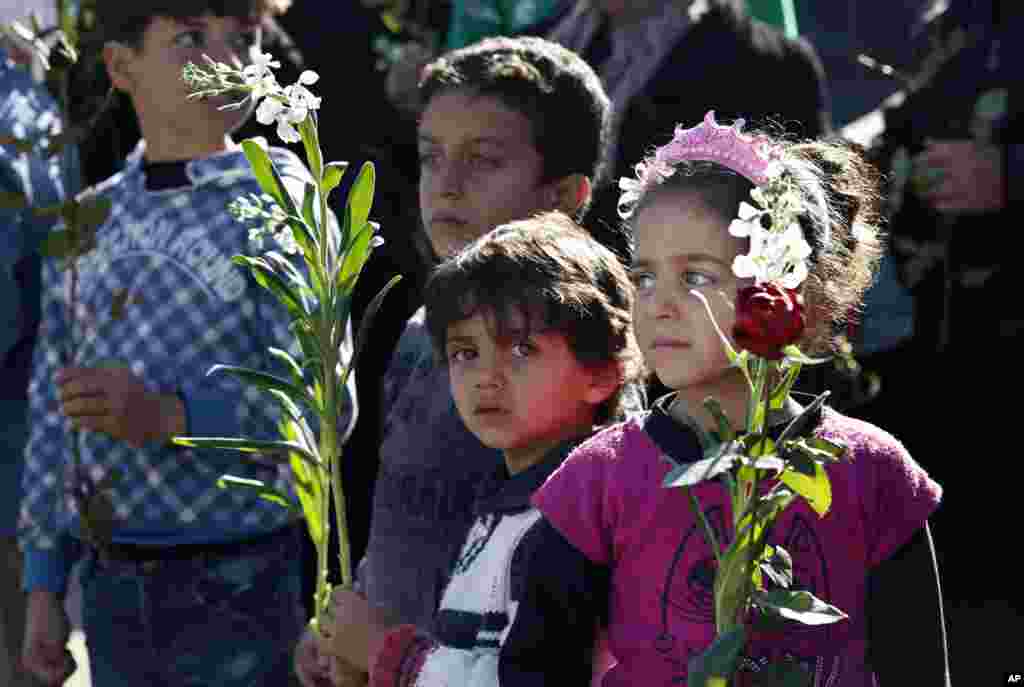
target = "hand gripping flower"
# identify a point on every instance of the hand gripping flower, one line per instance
(763, 475)
(318, 300)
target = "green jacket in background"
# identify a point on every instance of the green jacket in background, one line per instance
(476, 19)
(778, 13)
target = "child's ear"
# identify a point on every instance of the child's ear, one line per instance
(570, 193)
(604, 382)
(118, 59)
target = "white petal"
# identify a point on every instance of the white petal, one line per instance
(308, 77)
(627, 184)
(268, 110)
(744, 267)
(286, 132)
(748, 211)
(295, 114)
(739, 228)
(795, 278)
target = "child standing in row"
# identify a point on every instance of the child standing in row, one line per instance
(195, 584)
(871, 555)
(533, 323)
(510, 127)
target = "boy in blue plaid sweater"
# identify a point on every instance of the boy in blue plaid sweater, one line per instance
(198, 585)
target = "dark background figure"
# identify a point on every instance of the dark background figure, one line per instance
(951, 150)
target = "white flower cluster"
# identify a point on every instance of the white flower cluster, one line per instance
(288, 105)
(778, 249)
(269, 220)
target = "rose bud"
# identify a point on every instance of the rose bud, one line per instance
(768, 318)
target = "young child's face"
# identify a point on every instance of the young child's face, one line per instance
(682, 246)
(522, 396)
(479, 169)
(154, 72)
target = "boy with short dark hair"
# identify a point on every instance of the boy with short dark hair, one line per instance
(196, 585)
(534, 324)
(510, 127)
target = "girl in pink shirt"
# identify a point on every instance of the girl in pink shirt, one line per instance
(870, 556)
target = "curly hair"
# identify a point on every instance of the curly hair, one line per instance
(559, 279)
(841, 221)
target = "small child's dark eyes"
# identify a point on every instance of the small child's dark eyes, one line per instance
(523, 349)
(460, 355)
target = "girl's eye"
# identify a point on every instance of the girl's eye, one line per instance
(523, 349)
(697, 279)
(461, 355)
(643, 281)
(190, 39)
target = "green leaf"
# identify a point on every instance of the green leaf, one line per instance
(725, 428)
(266, 277)
(269, 448)
(311, 144)
(309, 204)
(719, 660)
(781, 391)
(293, 276)
(308, 485)
(266, 175)
(360, 198)
(286, 359)
(263, 491)
(816, 490)
(777, 566)
(358, 252)
(805, 452)
(793, 354)
(13, 200)
(266, 381)
(333, 174)
(801, 606)
(364, 327)
(721, 460)
(801, 423)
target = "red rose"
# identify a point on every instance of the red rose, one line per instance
(768, 318)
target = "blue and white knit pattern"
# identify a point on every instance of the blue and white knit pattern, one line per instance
(478, 607)
(188, 307)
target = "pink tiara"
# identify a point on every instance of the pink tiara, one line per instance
(751, 156)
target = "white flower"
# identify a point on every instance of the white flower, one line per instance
(308, 77)
(286, 132)
(300, 98)
(261, 65)
(262, 86)
(286, 240)
(269, 110)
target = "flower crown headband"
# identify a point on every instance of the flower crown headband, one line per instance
(778, 249)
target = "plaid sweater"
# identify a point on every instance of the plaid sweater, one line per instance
(167, 255)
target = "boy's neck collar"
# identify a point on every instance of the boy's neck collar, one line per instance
(504, 493)
(199, 170)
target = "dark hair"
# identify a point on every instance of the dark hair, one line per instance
(558, 278)
(553, 87)
(125, 21)
(841, 196)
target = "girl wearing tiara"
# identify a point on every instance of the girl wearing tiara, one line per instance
(870, 556)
